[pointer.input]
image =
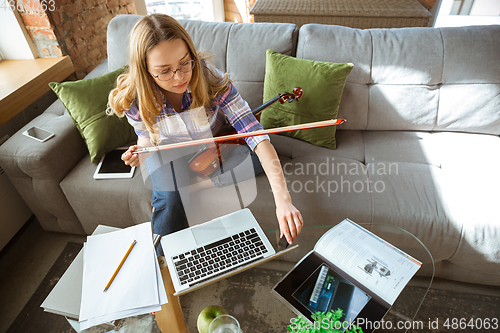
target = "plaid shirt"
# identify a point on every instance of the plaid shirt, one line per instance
(194, 124)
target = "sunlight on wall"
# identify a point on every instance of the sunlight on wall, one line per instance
(13, 43)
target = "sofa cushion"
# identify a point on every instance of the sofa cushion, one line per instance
(118, 35)
(403, 147)
(342, 44)
(117, 202)
(351, 146)
(246, 60)
(86, 102)
(455, 87)
(323, 84)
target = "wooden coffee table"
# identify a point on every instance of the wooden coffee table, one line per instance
(170, 319)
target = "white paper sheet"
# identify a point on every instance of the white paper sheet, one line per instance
(118, 315)
(162, 293)
(133, 312)
(136, 286)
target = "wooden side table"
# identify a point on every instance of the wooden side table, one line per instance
(24, 81)
(361, 14)
(170, 319)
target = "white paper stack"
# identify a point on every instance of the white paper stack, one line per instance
(137, 288)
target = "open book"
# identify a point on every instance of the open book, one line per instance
(350, 269)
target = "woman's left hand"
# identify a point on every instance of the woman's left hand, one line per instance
(289, 217)
(290, 221)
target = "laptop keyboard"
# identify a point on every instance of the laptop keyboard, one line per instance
(227, 254)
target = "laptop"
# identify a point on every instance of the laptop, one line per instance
(214, 250)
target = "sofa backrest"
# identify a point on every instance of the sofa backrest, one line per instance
(238, 49)
(426, 79)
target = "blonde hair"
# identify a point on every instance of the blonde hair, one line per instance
(136, 84)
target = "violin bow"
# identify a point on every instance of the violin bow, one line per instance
(317, 124)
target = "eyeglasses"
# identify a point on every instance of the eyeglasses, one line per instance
(169, 74)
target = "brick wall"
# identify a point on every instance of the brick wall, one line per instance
(73, 27)
(39, 27)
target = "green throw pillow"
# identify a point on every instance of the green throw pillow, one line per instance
(322, 83)
(86, 102)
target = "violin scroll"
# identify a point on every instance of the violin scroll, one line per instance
(290, 97)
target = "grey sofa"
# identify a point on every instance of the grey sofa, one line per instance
(420, 149)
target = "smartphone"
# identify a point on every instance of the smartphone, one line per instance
(38, 134)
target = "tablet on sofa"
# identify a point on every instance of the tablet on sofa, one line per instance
(111, 166)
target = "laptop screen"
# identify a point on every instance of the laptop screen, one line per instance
(326, 290)
(314, 285)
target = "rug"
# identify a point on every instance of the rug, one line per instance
(247, 296)
(450, 311)
(32, 318)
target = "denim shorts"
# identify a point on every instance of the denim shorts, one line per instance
(240, 158)
(170, 176)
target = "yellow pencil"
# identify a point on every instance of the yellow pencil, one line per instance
(120, 265)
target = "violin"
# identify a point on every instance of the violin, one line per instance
(282, 98)
(208, 160)
(211, 158)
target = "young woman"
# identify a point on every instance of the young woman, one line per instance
(172, 93)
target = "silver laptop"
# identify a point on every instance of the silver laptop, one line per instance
(214, 250)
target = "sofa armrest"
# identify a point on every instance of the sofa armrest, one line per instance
(21, 155)
(36, 168)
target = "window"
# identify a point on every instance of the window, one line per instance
(14, 40)
(454, 13)
(205, 10)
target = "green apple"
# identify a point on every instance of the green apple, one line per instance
(207, 315)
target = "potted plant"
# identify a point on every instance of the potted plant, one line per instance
(328, 322)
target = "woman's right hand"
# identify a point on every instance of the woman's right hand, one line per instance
(130, 157)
